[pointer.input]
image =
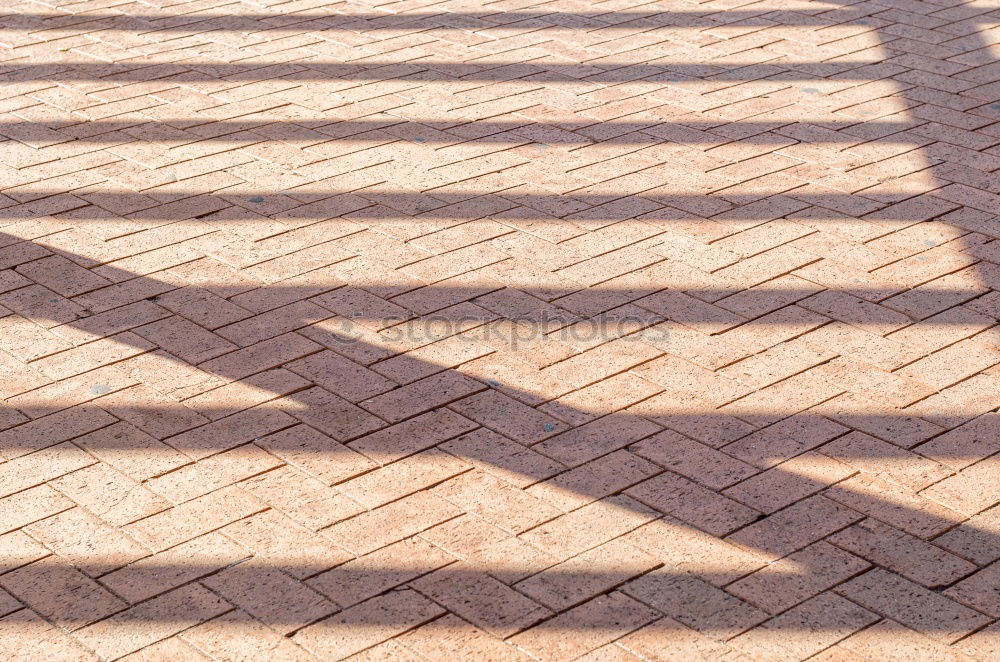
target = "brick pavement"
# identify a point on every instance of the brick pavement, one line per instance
(486, 331)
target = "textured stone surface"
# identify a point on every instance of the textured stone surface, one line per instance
(506, 330)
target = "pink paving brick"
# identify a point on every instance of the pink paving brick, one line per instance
(591, 331)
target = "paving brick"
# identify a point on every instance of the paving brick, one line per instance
(789, 482)
(979, 591)
(304, 499)
(152, 621)
(868, 382)
(20, 549)
(421, 396)
(32, 638)
(41, 305)
(902, 553)
(235, 397)
(83, 540)
(212, 473)
(596, 623)
(667, 639)
(207, 513)
(888, 640)
(970, 491)
(897, 506)
(777, 363)
(683, 547)
(270, 596)
(451, 635)
(381, 570)
(53, 429)
(692, 503)
(593, 439)
(953, 364)
(29, 506)
(509, 417)
(496, 501)
(185, 340)
(682, 377)
(822, 621)
(276, 539)
(61, 593)
(980, 645)
(151, 411)
(795, 527)
(882, 459)
(975, 541)
(797, 577)
(896, 426)
(41, 466)
(488, 548)
(315, 453)
(264, 355)
(505, 459)
(18, 378)
(792, 395)
(202, 307)
(411, 436)
(112, 496)
(27, 340)
(174, 567)
(610, 395)
(393, 522)
(963, 445)
(399, 479)
(861, 344)
(913, 605)
(428, 359)
(594, 480)
(383, 617)
(330, 414)
(230, 432)
(272, 323)
(693, 460)
(591, 573)
(485, 298)
(342, 376)
(481, 599)
(237, 634)
(587, 527)
(695, 603)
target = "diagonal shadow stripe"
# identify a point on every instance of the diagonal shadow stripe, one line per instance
(350, 426)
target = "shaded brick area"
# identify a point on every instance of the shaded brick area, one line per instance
(556, 331)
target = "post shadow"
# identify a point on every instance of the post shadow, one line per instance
(679, 584)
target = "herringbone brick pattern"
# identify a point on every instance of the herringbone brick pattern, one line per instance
(500, 331)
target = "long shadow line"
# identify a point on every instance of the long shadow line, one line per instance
(420, 70)
(431, 131)
(459, 20)
(667, 591)
(588, 209)
(353, 422)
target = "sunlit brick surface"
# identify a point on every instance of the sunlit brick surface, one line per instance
(500, 331)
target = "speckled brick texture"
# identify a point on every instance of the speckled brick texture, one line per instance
(573, 330)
